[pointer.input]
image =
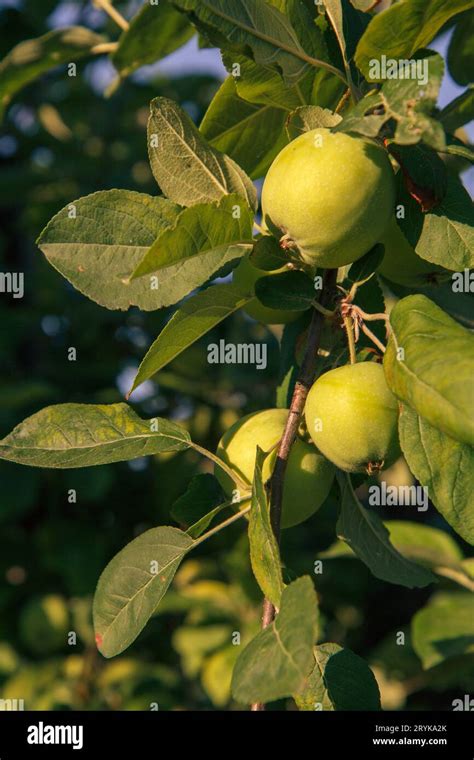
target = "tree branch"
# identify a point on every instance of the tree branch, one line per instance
(302, 387)
(106, 5)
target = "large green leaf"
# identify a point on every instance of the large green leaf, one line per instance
(133, 584)
(406, 27)
(444, 628)
(155, 32)
(187, 169)
(340, 680)
(444, 466)
(368, 537)
(205, 238)
(193, 319)
(445, 233)
(251, 134)
(429, 364)
(31, 58)
(97, 241)
(251, 25)
(423, 544)
(79, 435)
(278, 660)
(264, 552)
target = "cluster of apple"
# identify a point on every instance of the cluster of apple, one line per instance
(328, 198)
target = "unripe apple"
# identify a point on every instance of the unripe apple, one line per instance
(352, 417)
(330, 195)
(403, 266)
(308, 476)
(245, 277)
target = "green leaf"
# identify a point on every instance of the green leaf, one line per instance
(422, 543)
(187, 169)
(198, 528)
(278, 660)
(433, 371)
(410, 101)
(334, 12)
(425, 169)
(254, 25)
(251, 134)
(197, 506)
(289, 369)
(444, 628)
(31, 58)
(79, 435)
(193, 319)
(340, 680)
(445, 233)
(133, 584)
(458, 304)
(461, 50)
(155, 32)
(363, 269)
(264, 552)
(306, 118)
(459, 112)
(292, 291)
(444, 466)
(97, 241)
(401, 30)
(430, 547)
(204, 239)
(366, 118)
(367, 536)
(262, 86)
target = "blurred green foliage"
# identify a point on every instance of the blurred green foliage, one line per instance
(61, 140)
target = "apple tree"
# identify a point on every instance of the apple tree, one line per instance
(359, 247)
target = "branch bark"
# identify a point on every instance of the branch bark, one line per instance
(302, 387)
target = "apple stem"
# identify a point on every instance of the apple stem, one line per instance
(349, 327)
(302, 387)
(372, 337)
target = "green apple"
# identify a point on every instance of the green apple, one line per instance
(308, 476)
(44, 624)
(352, 417)
(330, 195)
(245, 276)
(403, 266)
